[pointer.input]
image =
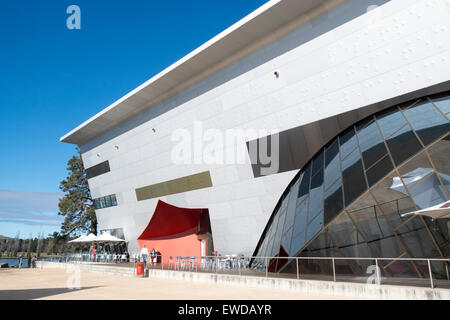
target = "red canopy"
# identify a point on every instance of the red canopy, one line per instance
(170, 220)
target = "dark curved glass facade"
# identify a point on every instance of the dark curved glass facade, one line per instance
(349, 199)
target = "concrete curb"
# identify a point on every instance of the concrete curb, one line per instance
(313, 287)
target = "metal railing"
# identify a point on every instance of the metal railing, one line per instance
(434, 273)
(86, 257)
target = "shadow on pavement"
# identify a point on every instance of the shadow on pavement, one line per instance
(31, 294)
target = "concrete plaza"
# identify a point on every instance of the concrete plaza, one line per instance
(51, 284)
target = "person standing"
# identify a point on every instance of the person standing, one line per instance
(20, 261)
(144, 254)
(153, 255)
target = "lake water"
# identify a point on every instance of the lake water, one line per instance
(15, 262)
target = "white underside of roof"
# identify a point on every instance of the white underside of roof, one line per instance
(266, 24)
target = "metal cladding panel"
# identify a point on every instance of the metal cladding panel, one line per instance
(185, 184)
(98, 169)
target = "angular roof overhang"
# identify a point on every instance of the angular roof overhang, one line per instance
(269, 22)
(170, 220)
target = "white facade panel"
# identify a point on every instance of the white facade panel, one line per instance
(398, 48)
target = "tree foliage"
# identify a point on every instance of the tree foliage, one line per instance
(77, 205)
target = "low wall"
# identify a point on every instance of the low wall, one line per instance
(313, 287)
(89, 267)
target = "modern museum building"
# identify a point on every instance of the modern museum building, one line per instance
(312, 128)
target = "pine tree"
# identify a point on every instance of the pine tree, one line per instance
(16, 244)
(30, 242)
(39, 245)
(77, 205)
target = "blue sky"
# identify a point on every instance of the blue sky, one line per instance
(53, 79)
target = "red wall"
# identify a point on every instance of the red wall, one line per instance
(185, 244)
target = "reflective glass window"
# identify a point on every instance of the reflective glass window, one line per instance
(105, 202)
(314, 227)
(340, 227)
(333, 201)
(276, 247)
(348, 239)
(286, 240)
(284, 202)
(353, 175)
(113, 200)
(322, 246)
(269, 247)
(264, 247)
(332, 187)
(392, 199)
(379, 170)
(416, 168)
(416, 239)
(273, 226)
(403, 144)
(316, 195)
(390, 121)
(439, 156)
(371, 223)
(428, 193)
(292, 206)
(387, 247)
(440, 228)
(394, 211)
(304, 184)
(363, 202)
(332, 164)
(347, 142)
(108, 201)
(355, 246)
(299, 233)
(428, 122)
(298, 242)
(261, 248)
(442, 102)
(317, 163)
(371, 143)
(280, 226)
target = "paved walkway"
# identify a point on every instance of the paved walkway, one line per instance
(50, 284)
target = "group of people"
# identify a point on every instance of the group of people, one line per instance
(20, 262)
(144, 256)
(93, 254)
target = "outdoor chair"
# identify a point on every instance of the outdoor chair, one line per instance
(211, 263)
(187, 263)
(203, 263)
(194, 262)
(178, 263)
(171, 263)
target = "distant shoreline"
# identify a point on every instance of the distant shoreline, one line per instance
(25, 255)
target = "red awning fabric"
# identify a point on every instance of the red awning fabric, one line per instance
(169, 220)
